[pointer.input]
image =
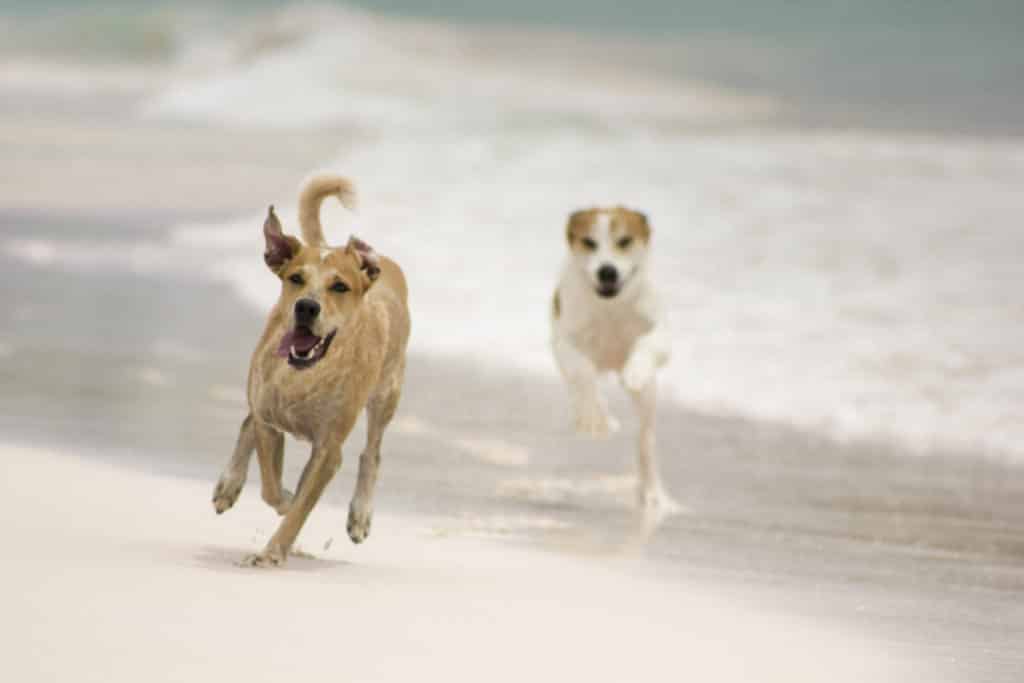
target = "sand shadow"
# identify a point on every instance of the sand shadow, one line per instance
(229, 559)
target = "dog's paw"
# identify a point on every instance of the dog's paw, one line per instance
(226, 492)
(596, 423)
(268, 558)
(360, 517)
(638, 373)
(654, 501)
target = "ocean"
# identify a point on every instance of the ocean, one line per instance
(834, 190)
(912, 65)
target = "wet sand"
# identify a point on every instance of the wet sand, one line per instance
(924, 553)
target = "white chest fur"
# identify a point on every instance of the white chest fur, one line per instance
(604, 330)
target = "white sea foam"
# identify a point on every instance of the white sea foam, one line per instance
(139, 257)
(864, 284)
(37, 75)
(861, 284)
(307, 66)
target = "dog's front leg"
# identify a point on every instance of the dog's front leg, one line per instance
(589, 409)
(233, 478)
(650, 352)
(324, 463)
(270, 449)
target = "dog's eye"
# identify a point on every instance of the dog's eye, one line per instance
(296, 279)
(589, 243)
(625, 242)
(339, 287)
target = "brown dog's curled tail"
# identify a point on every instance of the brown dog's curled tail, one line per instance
(312, 196)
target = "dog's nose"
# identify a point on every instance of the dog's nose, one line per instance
(306, 311)
(607, 275)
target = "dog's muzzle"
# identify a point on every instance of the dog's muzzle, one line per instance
(306, 311)
(608, 282)
(302, 348)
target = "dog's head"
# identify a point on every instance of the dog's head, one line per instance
(321, 288)
(609, 246)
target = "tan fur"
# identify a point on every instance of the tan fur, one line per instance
(362, 368)
(623, 222)
(628, 222)
(579, 225)
(313, 194)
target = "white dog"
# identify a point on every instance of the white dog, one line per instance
(605, 318)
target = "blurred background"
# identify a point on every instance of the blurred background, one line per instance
(835, 192)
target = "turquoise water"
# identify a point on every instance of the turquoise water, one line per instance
(931, 66)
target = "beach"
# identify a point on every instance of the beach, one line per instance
(840, 419)
(97, 602)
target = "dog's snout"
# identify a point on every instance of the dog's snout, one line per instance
(306, 311)
(607, 275)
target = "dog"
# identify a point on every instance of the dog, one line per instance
(334, 344)
(605, 318)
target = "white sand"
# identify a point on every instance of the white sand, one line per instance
(119, 576)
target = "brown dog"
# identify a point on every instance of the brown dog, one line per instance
(335, 342)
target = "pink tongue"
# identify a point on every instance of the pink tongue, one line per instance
(302, 339)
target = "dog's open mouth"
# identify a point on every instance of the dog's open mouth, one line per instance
(302, 348)
(608, 291)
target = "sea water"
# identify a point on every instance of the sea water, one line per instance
(834, 189)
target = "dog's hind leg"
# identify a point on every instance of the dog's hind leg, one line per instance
(652, 498)
(226, 492)
(270, 449)
(379, 412)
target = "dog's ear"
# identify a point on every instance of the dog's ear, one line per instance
(638, 225)
(369, 261)
(280, 248)
(577, 224)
